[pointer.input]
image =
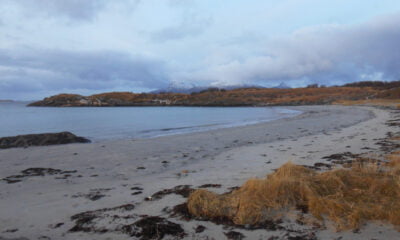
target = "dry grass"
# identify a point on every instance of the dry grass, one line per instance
(348, 197)
(394, 103)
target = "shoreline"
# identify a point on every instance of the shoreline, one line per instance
(218, 127)
(114, 128)
(226, 156)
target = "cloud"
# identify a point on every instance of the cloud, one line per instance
(191, 22)
(326, 54)
(181, 3)
(189, 27)
(71, 9)
(202, 46)
(32, 71)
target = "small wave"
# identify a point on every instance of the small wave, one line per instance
(177, 128)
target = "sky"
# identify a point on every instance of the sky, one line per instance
(85, 47)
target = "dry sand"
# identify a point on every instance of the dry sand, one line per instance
(110, 174)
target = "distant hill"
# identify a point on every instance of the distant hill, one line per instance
(244, 96)
(375, 84)
(5, 101)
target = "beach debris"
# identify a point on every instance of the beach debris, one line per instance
(153, 227)
(387, 145)
(94, 194)
(183, 190)
(57, 225)
(184, 173)
(138, 190)
(182, 211)
(44, 238)
(232, 235)
(393, 123)
(319, 166)
(298, 235)
(200, 229)
(91, 221)
(210, 185)
(37, 172)
(342, 158)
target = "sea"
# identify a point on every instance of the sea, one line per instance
(110, 123)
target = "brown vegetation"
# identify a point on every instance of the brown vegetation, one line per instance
(356, 93)
(237, 97)
(347, 197)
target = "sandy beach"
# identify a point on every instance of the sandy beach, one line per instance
(113, 179)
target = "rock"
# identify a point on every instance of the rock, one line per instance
(41, 140)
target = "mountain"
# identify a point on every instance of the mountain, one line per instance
(186, 90)
(282, 85)
(196, 89)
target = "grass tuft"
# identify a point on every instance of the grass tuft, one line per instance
(348, 197)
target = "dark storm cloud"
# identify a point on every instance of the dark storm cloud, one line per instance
(27, 70)
(327, 54)
(348, 53)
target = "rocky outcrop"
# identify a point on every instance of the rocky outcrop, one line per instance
(41, 140)
(61, 100)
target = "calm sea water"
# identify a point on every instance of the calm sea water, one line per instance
(100, 124)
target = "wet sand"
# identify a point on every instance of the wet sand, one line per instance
(44, 187)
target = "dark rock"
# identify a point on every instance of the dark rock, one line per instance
(44, 139)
